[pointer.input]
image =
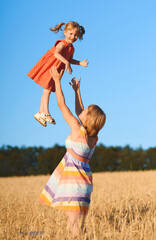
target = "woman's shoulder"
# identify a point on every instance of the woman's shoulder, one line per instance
(78, 132)
(90, 140)
(80, 135)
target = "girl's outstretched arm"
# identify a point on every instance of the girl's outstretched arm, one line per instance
(68, 116)
(83, 63)
(78, 101)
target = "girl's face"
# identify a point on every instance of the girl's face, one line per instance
(71, 35)
(83, 116)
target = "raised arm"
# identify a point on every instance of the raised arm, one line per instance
(68, 116)
(78, 101)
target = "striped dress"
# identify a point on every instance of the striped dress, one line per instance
(70, 186)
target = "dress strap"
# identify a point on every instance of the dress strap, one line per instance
(83, 131)
(84, 134)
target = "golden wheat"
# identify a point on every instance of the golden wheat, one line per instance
(123, 207)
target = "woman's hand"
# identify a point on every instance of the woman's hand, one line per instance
(68, 68)
(84, 63)
(55, 74)
(75, 84)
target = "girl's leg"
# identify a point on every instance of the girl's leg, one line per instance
(41, 105)
(75, 223)
(44, 107)
(38, 117)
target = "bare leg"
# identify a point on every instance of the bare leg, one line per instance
(41, 105)
(75, 222)
(44, 107)
(44, 116)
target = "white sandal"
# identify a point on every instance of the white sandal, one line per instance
(47, 117)
(38, 117)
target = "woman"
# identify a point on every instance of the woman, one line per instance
(70, 186)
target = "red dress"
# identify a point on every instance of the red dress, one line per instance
(40, 72)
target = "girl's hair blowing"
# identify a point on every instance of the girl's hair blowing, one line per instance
(70, 25)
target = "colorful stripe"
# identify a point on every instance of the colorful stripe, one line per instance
(70, 186)
(76, 156)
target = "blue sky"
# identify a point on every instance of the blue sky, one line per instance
(120, 44)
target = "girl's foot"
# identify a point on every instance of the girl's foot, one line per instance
(47, 117)
(38, 117)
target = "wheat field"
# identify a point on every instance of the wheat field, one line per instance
(123, 207)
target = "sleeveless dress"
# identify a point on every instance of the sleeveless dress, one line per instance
(70, 186)
(40, 72)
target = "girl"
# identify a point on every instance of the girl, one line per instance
(61, 56)
(70, 186)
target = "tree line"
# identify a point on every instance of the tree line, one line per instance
(25, 161)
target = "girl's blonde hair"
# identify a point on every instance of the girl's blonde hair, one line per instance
(70, 25)
(96, 119)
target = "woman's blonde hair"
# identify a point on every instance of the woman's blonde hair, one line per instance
(96, 119)
(70, 25)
